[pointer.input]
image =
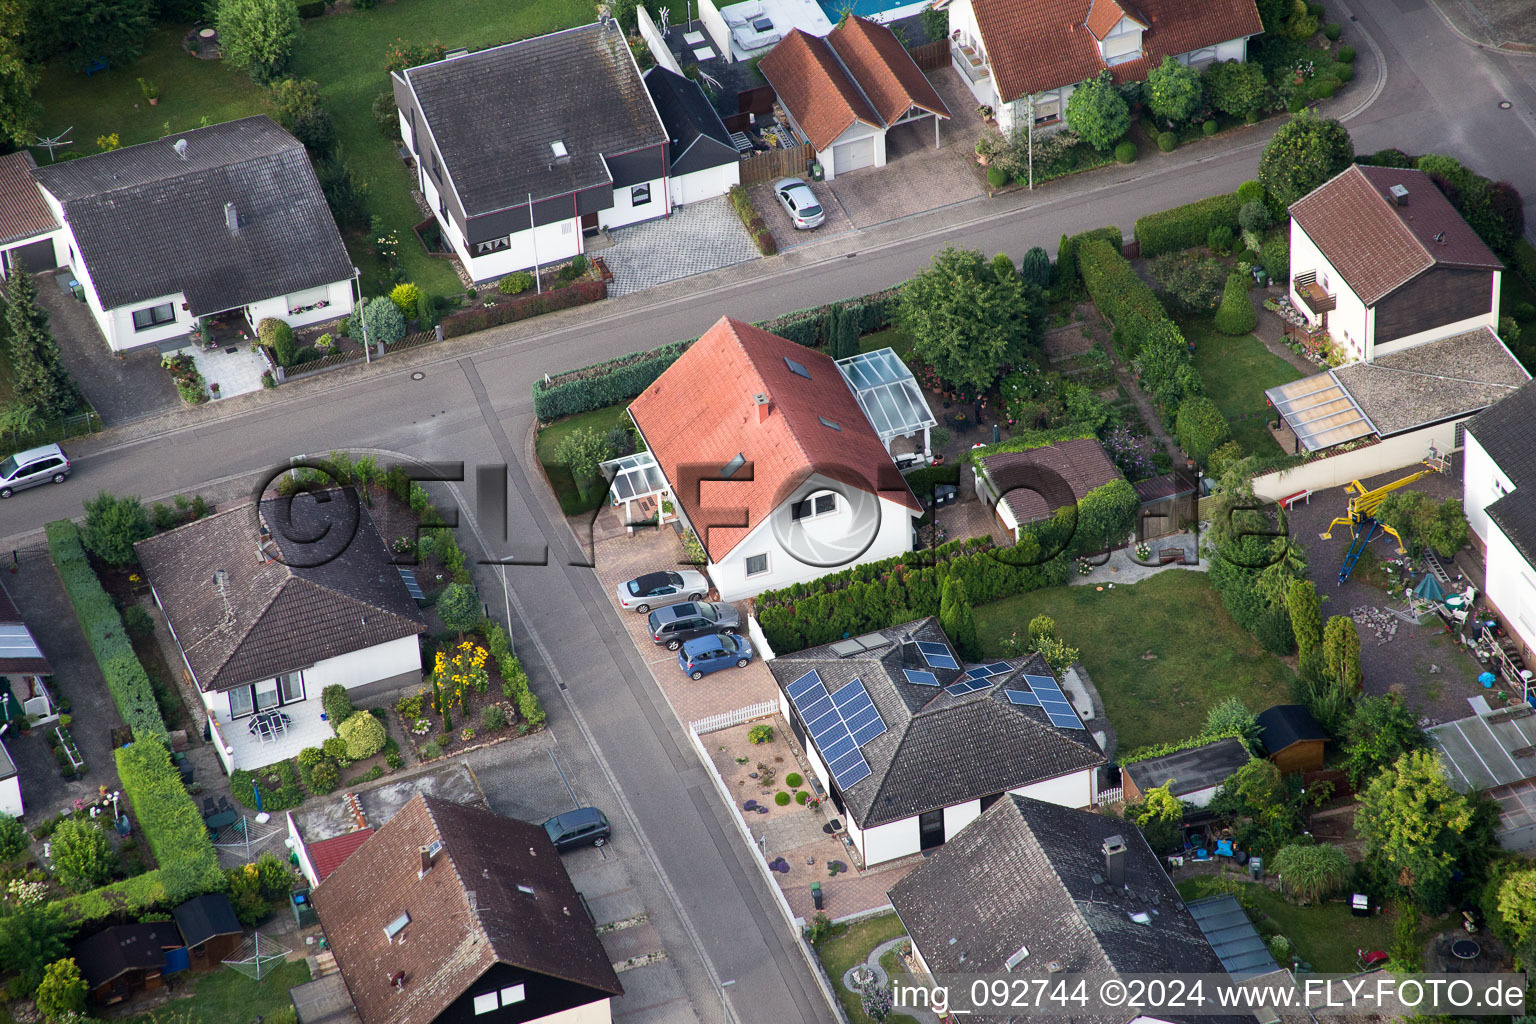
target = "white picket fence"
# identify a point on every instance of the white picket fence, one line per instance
(740, 716)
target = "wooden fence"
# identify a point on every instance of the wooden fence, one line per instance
(931, 56)
(776, 163)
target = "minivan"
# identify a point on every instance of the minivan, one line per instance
(585, 826)
(33, 467)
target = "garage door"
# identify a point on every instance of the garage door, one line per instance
(36, 257)
(850, 156)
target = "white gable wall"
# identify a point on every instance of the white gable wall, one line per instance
(1482, 484)
(706, 184)
(1511, 586)
(369, 665)
(625, 211)
(1348, 323)
(1073, 790)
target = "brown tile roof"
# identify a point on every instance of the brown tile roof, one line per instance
(23, 211)
(702, 410)
(467, 914)
(1104, 15)
(314, 601)
(17, 644)
(884, 70)
(1081, 463)
(1037, 45)
(1379, 247)
(815, 89)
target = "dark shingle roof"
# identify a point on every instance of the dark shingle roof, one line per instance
(23, 212)
(467, 914)
(1287, 724)
(495, 113)
(1190, 770)
(150, 224)
(940, 749)
(1081, 462)
(1022, 876)
(688, 117)
(122, 948)
(316, 601)
(1507, 432)
(206, 917)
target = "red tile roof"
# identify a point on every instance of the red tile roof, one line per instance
(702, 411)
(884, 70)
(1081, 463)
(815, 89)
(1377, 246)
(1104, 15)
(23, 211)
(328, 854)
(1038, 45)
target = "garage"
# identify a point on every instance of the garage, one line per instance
(34, 257)
(850, 156)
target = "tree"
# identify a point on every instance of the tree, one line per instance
(257, 35)
(1341, 653)
(1305, 606)
(967, 323)
(1304, 153)
(1201, 428)
(385, 323)
(1236, 87)
(299, 110)
(1036, 267)
(278, 336)
(1378, 731)
(1160, 816)
(337, 704)
(32, 937)
(345, 193)
(583, 451)
(109, 30)
(20, 113)
(1235, 315)
(957, 619)
(1043, 640)
(459, 608)
(1173, 91)
(1230, 717)
(1253, 216)
(1421, 521)
(1098, 112)
(13, 837)
(62, 991)
(1312, 872)
(1414, 825)
(364, 733)
(37, 365)
(82, 854)
(113, 525)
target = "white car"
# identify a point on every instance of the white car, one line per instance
(655, 589)
(800, 203)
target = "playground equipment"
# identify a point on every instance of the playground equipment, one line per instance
(1360, 517)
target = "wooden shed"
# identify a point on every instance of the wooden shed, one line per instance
(210, 928)
(1292, 738)
(121, 961)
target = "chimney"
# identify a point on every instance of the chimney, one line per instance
(397, 981)
(426, 861)
(1114, 861)
(1440, 237)
(231, 218)
(1398, 195)
(181, 148)
(764, 405)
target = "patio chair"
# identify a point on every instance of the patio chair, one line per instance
(209, 807)
(225, 806)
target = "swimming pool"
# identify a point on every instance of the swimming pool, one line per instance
(876, 10)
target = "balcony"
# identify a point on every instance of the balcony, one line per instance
(970, 61)
(1313, 295)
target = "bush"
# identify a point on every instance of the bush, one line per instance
(386, 115)
(335, 748)
(405, 297)
(492, 719)
(170, 821)
(1220, 239)
(996, 176)
(1249, 192)
(1253, 216)
(1332, 31)
(802, 797)
(364, 734)
(1185, 227)
(256, 36)
(1125, 152)
(324, 777)
(1201, 428)
(1276, 257)
(515, 283)
(1344, 73)
(385, 322)
(1210, 127)
(1236, 315)
(431, 750)
(278, 336)
(1297, 103)
(1191, 282)
(1035, 267)
(1167, 141)
(1346, 54)
(781, 798)
(83, 857)
(113, 525)
(13, 837)
(336, 704)
(760, 734)
(1324, 88)
(459, 607)
(575, 294)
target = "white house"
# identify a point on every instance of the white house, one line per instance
(227, 220)
(266, 619)
(702, 161)
(1019, 58)
(1499, 464)
(912, 746)
(771, 461)
(1383, 262)
(525, 150)
(844, 92)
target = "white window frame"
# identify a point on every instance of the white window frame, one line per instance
(640, 195)
(249, 705)
(814, 499)
(286, 682)
(493, 245)
(757, 572)
(154, 316)
(514, 994)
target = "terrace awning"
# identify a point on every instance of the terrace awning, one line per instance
(887, 392)
(634, 476)
(1320, 411)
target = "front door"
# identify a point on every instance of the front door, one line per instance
(589, 224)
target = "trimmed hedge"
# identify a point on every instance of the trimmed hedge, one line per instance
(514, 679)
(171, 822)
(103, 627)
(1185, 227)
(131, 896)
(1066, 253)
(578, 293)
(1120, 294)
(1525, 261)
(1164, 749)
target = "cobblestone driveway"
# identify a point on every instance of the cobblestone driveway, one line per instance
(697, 238)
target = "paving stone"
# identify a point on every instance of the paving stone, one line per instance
(697, 238)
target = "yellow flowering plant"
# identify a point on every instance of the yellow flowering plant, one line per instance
(454, 673)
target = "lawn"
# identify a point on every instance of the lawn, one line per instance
(224, 995)
(549, 440)
(1325, 936)
(1161, 652)
(851, 944)
(891, 337)
(1236, 372)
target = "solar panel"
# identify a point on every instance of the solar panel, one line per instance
(850, 694)
(840, 723)
(999, 668)
(921, 678)
(855, 773)
(838, 747)
(977, 673)
(965, 686)
(846, 648)
(797, 688)
(1023, 697)
(873, 640)
(937, 655)
(1048, 697)
(1064, 721)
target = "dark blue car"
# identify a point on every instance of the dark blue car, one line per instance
(707, 654)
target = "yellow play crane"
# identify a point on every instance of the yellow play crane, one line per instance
(1361, 515)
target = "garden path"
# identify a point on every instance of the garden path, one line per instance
(1144, 404)
(1271, 331)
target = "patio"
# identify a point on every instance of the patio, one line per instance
(235, 369)
(240, 747)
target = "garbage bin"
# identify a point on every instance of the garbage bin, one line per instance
(303, 910)
(816, 894)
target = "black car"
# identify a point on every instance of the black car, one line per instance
(677, 623)
(585, 826)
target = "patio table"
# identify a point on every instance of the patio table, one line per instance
(221, 820)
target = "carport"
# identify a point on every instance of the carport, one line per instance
(1490, 751)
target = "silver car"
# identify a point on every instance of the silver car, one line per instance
(655, 589)
(800, 203)
(33, 467)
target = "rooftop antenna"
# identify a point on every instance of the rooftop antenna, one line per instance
(57, 140)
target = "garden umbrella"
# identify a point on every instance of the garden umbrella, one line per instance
(1429, 589)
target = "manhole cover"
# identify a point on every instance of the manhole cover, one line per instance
(418, 375)
(1505, 104)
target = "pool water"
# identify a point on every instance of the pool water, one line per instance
(874, 9)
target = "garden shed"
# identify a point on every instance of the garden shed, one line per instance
(1023, 487)
(209, 928)
(121, 961)
(1292, 738)
(1196, 774)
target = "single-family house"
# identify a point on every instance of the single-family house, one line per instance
(1486, 753)
(1035, 888)
(1027, 486)
(911, 745)
(22, 693)
(702, 160)
(223, 221)
(209, 930)
(453, 913)
(1023, 58)
(1292, 738)
(271, 602)
(1499, 462)
(119, 962)
(1193, 775)
(772, 461)
(524, 150)
(845, 91)
(1382, 260)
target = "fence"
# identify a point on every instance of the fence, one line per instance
(322, 364)
(1111, 795)
(43, 432)
(740, 716)
(776, 163)
(931, 56)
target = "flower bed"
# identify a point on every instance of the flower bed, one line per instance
(471, 700)
(189, 383)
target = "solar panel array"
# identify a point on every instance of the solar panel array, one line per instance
(997, 668)
(921, 678)
(937, 655)
(1045, 694)
(840, 723)
(970, 684)
(16, 642)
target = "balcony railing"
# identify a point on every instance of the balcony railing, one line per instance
(970, 61)
(1313, 295)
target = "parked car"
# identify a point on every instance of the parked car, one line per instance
(707, 654)
(585, 826)
(33, 467)
(800, 203)
(679, 622)
(655, 589)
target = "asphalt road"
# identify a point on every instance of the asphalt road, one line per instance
(472, 403)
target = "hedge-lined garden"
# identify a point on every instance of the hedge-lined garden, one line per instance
(1187, 226)
(562, 296)
(170, 820)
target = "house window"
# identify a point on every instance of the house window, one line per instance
(513, 994)
(494, 245)
(757, 564)
(266, 694)
(290, 688)
(1460, 440)
(486, 1003)
(810, 508)
(240, 702)
(640, 195)
(154, 316)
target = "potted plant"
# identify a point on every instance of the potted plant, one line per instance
(151, 91)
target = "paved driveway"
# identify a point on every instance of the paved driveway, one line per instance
(697, 238)
(837, 222)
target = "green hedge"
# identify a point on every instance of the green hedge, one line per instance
(1185, 227)
(1163, 749)
(1120, 294)
(1525, 261)
(1067, 271)
(514, 680)
(508, 311)
(103, 627)
(130, 897)
(171, 822)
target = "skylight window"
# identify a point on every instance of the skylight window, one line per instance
(396, 926)
(828, 423)
(558, 149)
(795, 367)
(732, 466)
